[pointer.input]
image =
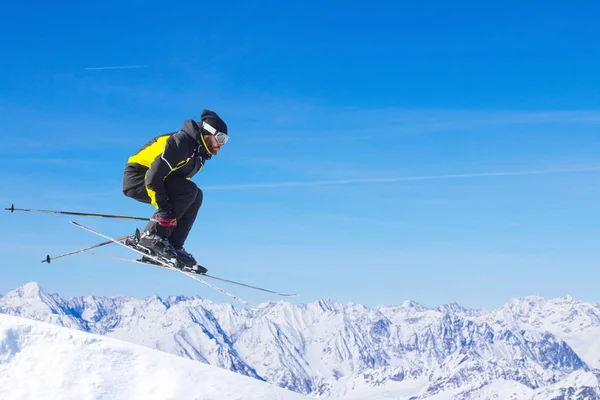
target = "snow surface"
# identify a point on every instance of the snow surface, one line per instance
(43, 361)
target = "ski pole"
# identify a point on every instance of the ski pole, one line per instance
(13, 209)
(48, 258)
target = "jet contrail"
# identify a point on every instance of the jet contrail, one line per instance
(118, 67)
(401, 179)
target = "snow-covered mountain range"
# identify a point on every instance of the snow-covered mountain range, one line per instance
(532, 348)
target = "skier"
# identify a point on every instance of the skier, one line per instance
(159, 174)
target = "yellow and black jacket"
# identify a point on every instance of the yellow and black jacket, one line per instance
(179, 154)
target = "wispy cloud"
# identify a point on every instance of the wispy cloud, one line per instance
(294, 123)
(116, 67)
(266, 117)
(399, 179)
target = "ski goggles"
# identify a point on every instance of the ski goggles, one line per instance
(221, 137)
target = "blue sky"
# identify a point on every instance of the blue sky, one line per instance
(436, 152)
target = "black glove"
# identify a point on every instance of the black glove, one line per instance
(164, 217)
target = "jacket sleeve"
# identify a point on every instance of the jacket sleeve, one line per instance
(174, 156)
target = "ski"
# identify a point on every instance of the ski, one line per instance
(165, 264)
(250, 286)
(131, 260)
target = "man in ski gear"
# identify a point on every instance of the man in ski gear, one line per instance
(159, 174)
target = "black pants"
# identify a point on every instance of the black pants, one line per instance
(185, 198)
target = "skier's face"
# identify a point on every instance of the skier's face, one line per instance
(213, 145)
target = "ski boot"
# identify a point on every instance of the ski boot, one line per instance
(187, 262)
(133, 241)
(158, 246)
(185, 258)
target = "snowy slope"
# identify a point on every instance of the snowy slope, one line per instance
(43, 361)
(333, 350)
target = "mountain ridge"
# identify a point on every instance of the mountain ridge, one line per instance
(331, 349)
